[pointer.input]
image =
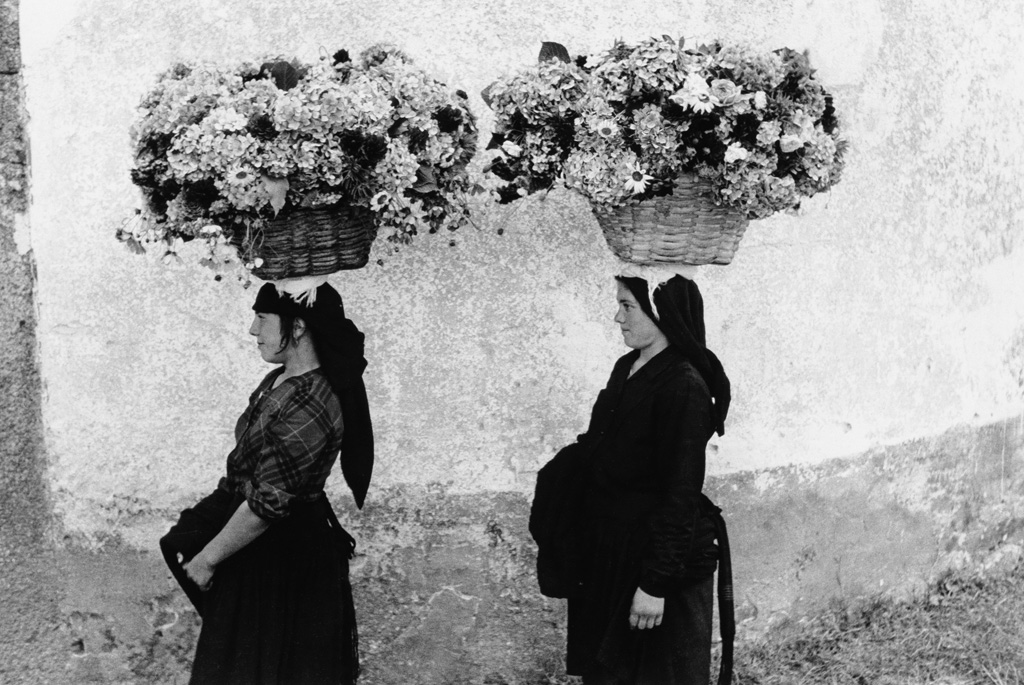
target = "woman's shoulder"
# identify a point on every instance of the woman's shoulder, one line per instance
(310, 388)
(681, 374)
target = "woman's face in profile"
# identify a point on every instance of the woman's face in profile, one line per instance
(267, 329)
(638, 330)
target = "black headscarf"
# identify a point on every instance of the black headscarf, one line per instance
(681, 318)
(339, 347)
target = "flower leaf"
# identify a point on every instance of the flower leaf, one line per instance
(134, 245)
(425, 181)
(284, 75)
(485, 94)
(277, 188)
(553, 51)
(496, 140)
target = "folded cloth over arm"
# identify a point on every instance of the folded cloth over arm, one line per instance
(557, 503)
(195, 528)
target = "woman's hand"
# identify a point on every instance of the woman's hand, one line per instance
(200, 571)
(647, 611)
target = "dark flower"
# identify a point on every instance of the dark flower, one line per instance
(500, 168)
(620, 51)
(341, 56)
(417, 140)
(540, 183)
(157, 144)
(673, 111)
(507, 194)
(745, 129)
(261, 126)
(517, 122)
(159, 197)
(581, 61)
(365, 150)
(828, 117)
(201, 193)
(448, 119)
(788, 163)
(179, 71)
(462, 94)
(143, 179)
(565, 132)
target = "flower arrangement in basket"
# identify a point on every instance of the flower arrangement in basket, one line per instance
(297, 166)
(676, 148)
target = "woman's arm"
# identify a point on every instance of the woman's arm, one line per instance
(243, 527)
(682, 414)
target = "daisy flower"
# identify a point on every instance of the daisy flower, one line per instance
(638, 180)
(379, 201)
(606, 128)
(239, 175)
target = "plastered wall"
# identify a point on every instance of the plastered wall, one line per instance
(886, 311)
(883, 327)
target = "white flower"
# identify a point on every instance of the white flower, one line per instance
(735, 152)
(638, 180)
(760, 100)
(695, 94)
(210, 229)
(802, 125)
(224, 119)
(511, 149)
(789, 143)
(379, 201)
(606, 128)
(768, 133)
(239, 175)
(725, 90)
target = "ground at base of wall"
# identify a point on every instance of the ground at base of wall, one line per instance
(967, 629)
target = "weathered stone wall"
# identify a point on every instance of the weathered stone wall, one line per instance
(30, 643)
(875, 343)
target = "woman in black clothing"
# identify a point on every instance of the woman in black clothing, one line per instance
(263, 557)
(640, 616)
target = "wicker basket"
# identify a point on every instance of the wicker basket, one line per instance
(312, 241)
(683, 228)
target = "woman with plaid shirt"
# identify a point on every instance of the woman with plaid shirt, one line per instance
(263, 558)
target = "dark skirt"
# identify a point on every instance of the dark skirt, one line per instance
(601, 645)
(279, 610)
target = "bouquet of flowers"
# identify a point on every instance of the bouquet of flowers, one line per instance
(623, 126)
(223, 154)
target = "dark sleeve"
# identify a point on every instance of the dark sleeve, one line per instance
(293, 433)
(682, 415)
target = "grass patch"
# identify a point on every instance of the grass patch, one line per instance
(968, 630)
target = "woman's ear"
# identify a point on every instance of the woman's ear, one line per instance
(298, 328)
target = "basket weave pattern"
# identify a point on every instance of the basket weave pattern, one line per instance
(683, 228)
(312, 241)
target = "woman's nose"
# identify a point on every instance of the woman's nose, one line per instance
(618, 318)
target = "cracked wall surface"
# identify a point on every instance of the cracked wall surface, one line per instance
(874, 341)
(30, 591)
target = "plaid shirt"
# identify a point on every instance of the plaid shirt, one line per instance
(288, 439)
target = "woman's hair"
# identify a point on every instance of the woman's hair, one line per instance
(288, 331)
(680, 316)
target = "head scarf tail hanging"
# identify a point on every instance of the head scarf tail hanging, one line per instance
(339, 346)
(679, 314)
